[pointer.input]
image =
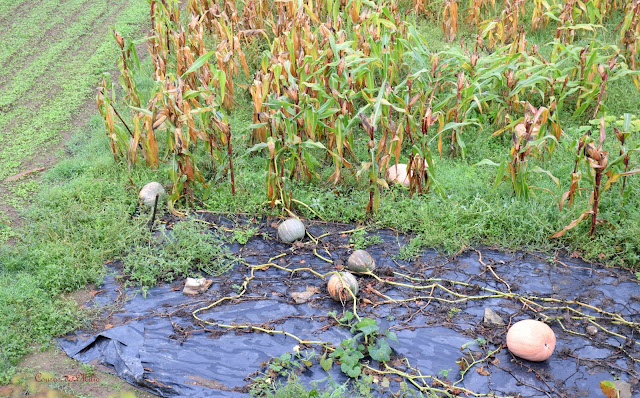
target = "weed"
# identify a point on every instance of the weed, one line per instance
(368, 340)
(188, 249)
(361, 240)
(444, 373)
(453, 311)
(242, 236)
(413, 249)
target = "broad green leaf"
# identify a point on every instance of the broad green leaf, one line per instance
(381, 351)
(326, 363)
(500, 174)
(537, 169)
(367, 326)
(487, 162)
(626, 126)
(257, 147)
(312, 144)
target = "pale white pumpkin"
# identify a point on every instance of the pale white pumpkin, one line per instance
(397, 174)
(291, 230)
(148, 193)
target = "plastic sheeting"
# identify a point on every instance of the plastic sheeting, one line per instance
(155, 343)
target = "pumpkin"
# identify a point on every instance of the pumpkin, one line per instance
(398, 174)
(339, 286)
(360, 262)
(149, 192)
(531, 340)
(291, 230)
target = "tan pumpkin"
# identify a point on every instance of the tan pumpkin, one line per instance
(339, 286)
(398, 174)
(531, 340)
(360, 261)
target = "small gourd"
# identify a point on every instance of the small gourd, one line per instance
(531, 340)
(339, 286)
(360, 261)
(291, 230)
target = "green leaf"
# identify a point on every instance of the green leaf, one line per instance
(609, 389)
(313, 144)
(500, 174)
(378, 105)
(381, 352)
(326, 363)
(199, 62)
(141, 110)
(537, 169)
(348, 315)
(367, 326)
(351, 371)
(627, 122)
(257, 147)
(392, 336)
(285, 357)
(487, 162)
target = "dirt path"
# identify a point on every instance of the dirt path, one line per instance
(57, 51)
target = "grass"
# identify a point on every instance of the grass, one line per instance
(83, 217)
(189, 249)
(48, 73)
(87, 213)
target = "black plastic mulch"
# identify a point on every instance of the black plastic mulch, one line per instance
(156, 344)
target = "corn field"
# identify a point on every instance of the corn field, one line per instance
(337, 75)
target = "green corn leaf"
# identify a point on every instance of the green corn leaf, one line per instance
(198, 63)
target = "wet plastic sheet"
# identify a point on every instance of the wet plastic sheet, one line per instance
(156, 344)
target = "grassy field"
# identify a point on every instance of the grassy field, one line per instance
(63, 225)
(49, 70)
(53, 55)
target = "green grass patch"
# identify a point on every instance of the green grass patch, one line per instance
(84, 215)
(83, 219)
(189, 249)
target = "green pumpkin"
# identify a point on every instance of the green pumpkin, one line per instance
(361, 262)
(291, 230)
(339, 286)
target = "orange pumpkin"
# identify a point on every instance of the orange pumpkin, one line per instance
(339, 286)
(531, 340)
